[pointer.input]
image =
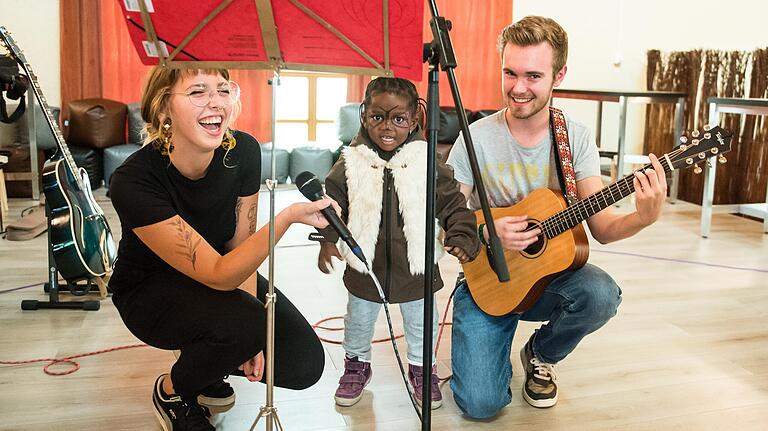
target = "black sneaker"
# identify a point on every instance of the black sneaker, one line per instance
(539, 389)
(175, 414)
(217, 398)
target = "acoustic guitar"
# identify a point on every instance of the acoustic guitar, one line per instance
(563, 245)
(81, 241)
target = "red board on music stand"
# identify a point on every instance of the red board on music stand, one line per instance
(347, 36)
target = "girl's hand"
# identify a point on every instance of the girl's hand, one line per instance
(327, 251)
(459, 253)
(254, 368)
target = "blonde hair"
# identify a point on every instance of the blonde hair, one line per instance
(156, 96)
(533, 30)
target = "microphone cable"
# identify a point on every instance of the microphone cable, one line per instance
(384, 301)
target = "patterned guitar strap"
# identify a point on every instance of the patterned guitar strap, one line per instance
(563, 158)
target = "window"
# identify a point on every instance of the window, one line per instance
(306, 109)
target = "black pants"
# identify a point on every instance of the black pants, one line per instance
(218, 331)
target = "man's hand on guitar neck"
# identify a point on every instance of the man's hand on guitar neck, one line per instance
(512, 232)
(651, 189)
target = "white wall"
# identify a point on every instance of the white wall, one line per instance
(602, 31)
(34, 25)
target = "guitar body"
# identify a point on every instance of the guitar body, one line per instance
(81, 241)
(532, 269)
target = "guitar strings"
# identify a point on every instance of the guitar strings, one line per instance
(560, 221)
(569, 217)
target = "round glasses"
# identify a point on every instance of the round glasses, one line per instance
(201, 96)
(402, 121)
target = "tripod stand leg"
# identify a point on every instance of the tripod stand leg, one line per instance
(270, 415)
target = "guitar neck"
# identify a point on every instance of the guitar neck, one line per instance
(38, 92)
(594, 203)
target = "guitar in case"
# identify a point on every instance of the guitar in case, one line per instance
(563, 245)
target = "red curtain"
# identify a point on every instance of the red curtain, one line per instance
(124, 74)
(475, 28)
(356, 87)
(476, 25)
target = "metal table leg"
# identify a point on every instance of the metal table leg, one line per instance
(709, 183)
(31, 123)
(678, 132)
(622, 136)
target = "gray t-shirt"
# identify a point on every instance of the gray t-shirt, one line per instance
(511, 171)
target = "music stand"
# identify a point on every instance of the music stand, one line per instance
(361, 37)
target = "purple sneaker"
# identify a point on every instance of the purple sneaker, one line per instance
(416, 377)
(357, 375)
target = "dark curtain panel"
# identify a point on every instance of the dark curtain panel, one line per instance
(704, 74)
(677, 72)
(754, 135)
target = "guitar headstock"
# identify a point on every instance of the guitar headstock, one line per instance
(712, 141)
(10, 45)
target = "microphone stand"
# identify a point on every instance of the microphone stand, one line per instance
(268, 411)
(440, 53)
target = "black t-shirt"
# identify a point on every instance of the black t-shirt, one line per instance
(147, 189)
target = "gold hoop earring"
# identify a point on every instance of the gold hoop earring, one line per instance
(166, 138)
(229, 141)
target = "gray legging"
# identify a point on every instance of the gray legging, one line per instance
(217, 331)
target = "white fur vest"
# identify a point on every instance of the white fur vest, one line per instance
(365, 182)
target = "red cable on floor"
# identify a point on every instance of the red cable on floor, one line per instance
(318, 325)
(68, 359)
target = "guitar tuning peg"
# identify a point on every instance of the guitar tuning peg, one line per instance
(697, 169)
(695, 133)
(683, 139)
(721, 159)
(707, 127)
(707, 135)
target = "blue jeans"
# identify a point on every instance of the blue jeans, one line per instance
(574, 304)
(360, 320)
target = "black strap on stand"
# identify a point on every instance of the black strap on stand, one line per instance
(440, 53)
(52, 287)
(4, 117)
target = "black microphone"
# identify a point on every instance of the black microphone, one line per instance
(310, 187)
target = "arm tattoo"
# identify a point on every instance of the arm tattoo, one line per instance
(238, 205)
(188, 244)
(252, 219)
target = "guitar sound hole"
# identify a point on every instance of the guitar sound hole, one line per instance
(538, 246)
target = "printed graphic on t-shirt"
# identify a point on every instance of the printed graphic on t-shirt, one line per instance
(512, 181)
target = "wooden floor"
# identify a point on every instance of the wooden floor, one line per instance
(687, 351)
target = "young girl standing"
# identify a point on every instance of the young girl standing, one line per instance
(380, 184)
